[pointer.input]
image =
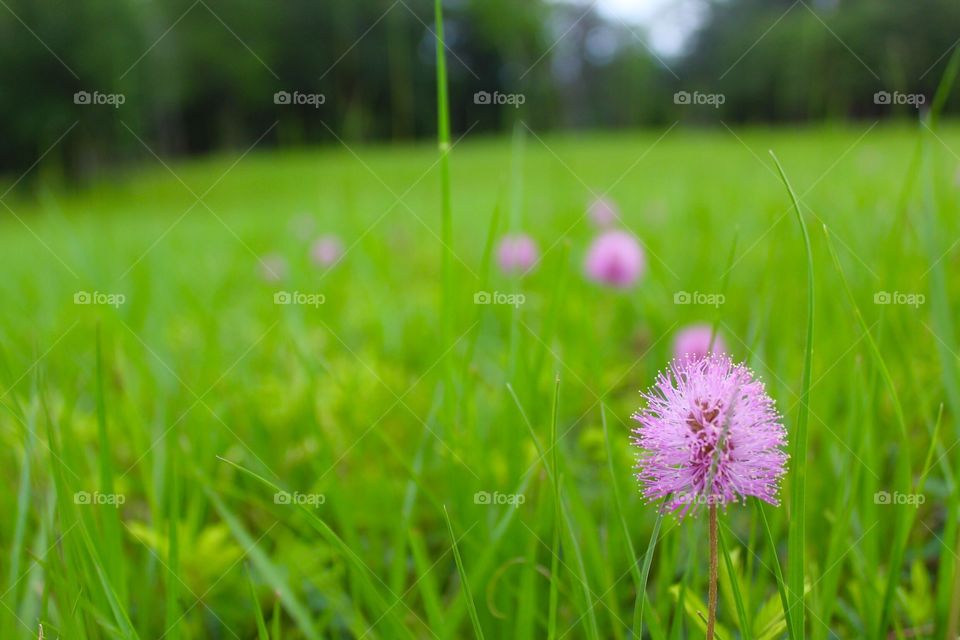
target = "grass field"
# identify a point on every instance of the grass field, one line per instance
(141, 467)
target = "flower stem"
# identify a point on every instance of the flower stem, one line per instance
(712, 594)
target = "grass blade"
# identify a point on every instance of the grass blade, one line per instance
(172, 591)
(362, 571)
(795, 560)
(640, 575)
(745, 630)
(557, 518)
(464, 582)
(778, 573)
(111, 549)
(446, 209)
(907, 514)
(257, 612)
(266, 568)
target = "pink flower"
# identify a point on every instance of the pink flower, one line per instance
(326, 250)
(517, 253)
(615, 258)
(694, 342)
(273, 267)
(604, 212)
(711, 435)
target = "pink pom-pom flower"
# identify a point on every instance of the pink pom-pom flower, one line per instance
(710, 435)
(615, 258)
(517, 253)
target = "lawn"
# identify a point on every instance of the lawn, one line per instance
(184, 455)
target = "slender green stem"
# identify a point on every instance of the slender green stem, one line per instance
(712, 593)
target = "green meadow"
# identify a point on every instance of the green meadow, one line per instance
(191, 450)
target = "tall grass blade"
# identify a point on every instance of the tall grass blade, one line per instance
(274, 577)
(744, 621)
(257, 611)
(446, 210)
(906, 514)
(778, 574)
(557, 518)
(798, 462)
(464, 581)
(362, 571)
(111, 549)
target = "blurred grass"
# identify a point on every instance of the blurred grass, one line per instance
(342, 400)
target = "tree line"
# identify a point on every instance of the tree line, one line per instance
(88, 85)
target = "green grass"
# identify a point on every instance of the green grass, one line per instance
(203, 404)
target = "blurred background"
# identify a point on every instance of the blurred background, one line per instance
(91, 85)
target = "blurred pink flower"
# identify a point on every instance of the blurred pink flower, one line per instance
(517, 253)
(273, 267)
(604, 212)
(615, 258)
(326, 250)
(693, 342)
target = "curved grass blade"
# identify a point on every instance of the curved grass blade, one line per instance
(173, 614)
(111, 548)
(745, 629)
(645, 571)
(19, 529)
(943, 323)
(426, 585)
(778, 573)
(795, 538)
(415, 482)
(464, 582)
(320, 526)
(593, 631)
(640, 577)
(267, 569)
(258, 613)
(557, 519)
(907, 515)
